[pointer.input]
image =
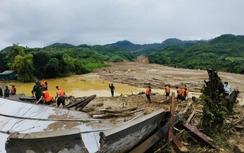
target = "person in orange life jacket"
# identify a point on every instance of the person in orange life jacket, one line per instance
(178, 93)
(148, 92)
(13, 90)
(167, 91)
(44, 84)
(45, 98)
(60, 96)
(183, 94)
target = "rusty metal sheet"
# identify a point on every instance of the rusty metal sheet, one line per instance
(199, 135)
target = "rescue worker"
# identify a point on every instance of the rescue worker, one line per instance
(167, 91)
(60, 96)
(13, 90)
(37, 90)
(6, 92)
(112, 89)
(44, 84)
(148, 92)
(45, 98)
(178, 93)
(183, 94)
(1, 92)
(186, 93)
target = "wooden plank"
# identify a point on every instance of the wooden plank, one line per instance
(198, 135)
(179, 147)
(171, 120)
(191, 116)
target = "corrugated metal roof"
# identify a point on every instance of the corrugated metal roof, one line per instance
(7, 72)
(26, 118)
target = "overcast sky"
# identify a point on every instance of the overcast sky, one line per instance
(38, 23)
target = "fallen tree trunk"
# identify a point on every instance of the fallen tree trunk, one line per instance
(117, 111)
(109, 115)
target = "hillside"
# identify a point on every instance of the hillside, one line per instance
(147, 48)
(224, 53)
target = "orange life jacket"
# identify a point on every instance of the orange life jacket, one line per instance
(47, 97)
(183, 92)
(148, 91)
(13, 90)
(167, 89)
(179, 91)
(60, 93)
(44, 83)
(187, 92)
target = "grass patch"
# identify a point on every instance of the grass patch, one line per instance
(95, 65)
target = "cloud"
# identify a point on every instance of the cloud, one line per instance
(33, 23)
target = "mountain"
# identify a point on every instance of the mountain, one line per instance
(223, 53)
(145, 48)
(60, 45)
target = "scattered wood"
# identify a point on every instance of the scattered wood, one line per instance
(187, 107)
(191, 116)
(176, 136)
(197, 110)
(198, 135)
(179, 147)
(236, 122)
(82, 103)
(154, 138)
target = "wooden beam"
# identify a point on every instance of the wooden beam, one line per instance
(198, 135)
(191, 116)
(171, 120)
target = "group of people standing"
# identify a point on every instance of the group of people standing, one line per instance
(7, 92)
(40, 91)
(181, 93)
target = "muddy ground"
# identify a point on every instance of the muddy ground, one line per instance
(141, 75)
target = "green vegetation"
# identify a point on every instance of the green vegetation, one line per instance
(224, 53)
(59, 60)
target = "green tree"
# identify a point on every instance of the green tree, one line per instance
(52, 68)
(24, 67)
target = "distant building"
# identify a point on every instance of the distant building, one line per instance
(8, 75)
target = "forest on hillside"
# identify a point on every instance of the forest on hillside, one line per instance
(58, 60)
(223, 53)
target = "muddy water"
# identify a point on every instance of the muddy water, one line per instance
(77, 85)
